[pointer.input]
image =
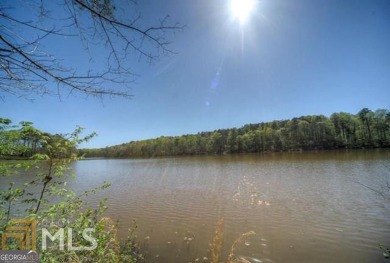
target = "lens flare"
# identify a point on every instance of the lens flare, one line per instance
(241, 9)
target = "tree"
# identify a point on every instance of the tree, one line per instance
(49, 172)
(382, 117)
(232, 140)
(366, 116)
(345, 128)
(311, 132)
(107, 31)
(217, 142)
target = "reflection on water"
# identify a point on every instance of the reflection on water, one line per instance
(248, 195)
(303, 207)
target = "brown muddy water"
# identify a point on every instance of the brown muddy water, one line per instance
(303, 207)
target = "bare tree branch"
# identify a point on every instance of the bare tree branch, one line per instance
(379, 192)
(383, 189)
(26, 69)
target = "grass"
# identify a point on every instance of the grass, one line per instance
(216, 244)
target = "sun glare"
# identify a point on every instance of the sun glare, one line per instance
(241, 9)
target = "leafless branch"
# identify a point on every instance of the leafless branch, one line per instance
(379, 192)
(25, 68)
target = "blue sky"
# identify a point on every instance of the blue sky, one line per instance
(290, 58)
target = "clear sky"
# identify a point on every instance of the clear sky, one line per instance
(289, 58)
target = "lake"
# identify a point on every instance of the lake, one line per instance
(303, 207)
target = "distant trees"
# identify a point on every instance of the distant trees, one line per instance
(366, 116)
(313, 132)
(381, 124)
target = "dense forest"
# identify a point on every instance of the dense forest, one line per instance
(366, 129)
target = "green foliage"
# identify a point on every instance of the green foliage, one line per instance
(49, 164)
(313, 132)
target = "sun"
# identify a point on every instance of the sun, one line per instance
(241, 9)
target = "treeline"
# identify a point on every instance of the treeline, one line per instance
(366, 129)
(23, 140)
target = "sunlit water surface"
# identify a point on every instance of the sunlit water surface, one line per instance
(303, 207)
